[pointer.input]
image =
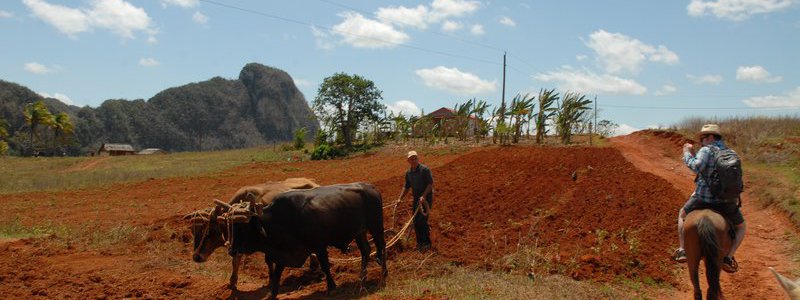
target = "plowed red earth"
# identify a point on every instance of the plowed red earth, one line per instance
(589, 213)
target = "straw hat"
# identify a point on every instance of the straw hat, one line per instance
(709, 129)
(411, 153)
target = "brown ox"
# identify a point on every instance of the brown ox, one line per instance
(211, 231)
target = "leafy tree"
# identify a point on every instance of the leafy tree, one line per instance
(606, 128)
(36, 114)
(401, 126)
(481, 122)
(546, 111)
(572, 110)
(345, 101)
(462, 118)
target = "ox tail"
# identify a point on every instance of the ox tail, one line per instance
(710, 248)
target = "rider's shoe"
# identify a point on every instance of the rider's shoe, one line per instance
(679, 255)
(729, 264)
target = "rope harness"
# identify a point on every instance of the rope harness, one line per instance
(396, 238)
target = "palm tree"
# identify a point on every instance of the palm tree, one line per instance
(36, 114)
(521, 106)
(462, 117)
(3, 135)
(481, 123)
(572, 110)
(546, 111)
(62, 128)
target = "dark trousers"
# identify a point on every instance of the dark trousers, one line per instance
(421, 228)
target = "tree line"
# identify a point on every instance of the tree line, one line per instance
(351, 116)
(47, 133)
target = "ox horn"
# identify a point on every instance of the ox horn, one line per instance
(223, 204)
(189, 216)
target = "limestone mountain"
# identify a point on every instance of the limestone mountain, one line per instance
(262, 106)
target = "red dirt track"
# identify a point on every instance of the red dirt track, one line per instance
(592, 213)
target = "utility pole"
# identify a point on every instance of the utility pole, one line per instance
(503, 99)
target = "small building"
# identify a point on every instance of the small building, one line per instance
(447, 117)
(149, 151)
(108, 149)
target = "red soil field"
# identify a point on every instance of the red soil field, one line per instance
(589, 212)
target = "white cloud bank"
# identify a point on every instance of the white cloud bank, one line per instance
(789, 99)
(361, 32)
(117, 16)
(406, 107)
(59, 96)
(455, 81)
(587, 82)
(756, 74)
(40, 69)
(736, 10)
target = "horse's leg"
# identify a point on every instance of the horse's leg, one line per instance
(693, 256)
(236, 261)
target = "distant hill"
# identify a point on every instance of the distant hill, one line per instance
(261, 107)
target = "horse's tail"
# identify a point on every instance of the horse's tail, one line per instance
(709, 248)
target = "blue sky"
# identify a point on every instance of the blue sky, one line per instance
(647, 62)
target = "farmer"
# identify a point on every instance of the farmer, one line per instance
(420, 181)
(703, 163)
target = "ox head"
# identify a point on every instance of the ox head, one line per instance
(208, 229)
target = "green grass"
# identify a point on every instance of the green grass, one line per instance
(13, 229)
(24, 174)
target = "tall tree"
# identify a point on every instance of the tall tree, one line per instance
(572, 110)
(62, 128)
(36, 114)
(3, 136)
(546, 111)
(344, 101)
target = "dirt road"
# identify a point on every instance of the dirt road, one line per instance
(766, 244)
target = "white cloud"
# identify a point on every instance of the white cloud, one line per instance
(4, 14)
(302, 83)
(442, 9)
(181, 3)
(406, 107)
(152, 40)
(404, 16)
(588, 82)
(667, 89)
(705, 79)
(580, 57)
(455, 81)
(59, 96)
(37, 68)
(322, 38)
(148, 62)
(736, 10)
(624, 129)
(199, 18)
(451, 26)
(117, 16)
(619, 53)
(361, 32)
(791, 98)
(756, 74)
(477, 29)
(508, 21)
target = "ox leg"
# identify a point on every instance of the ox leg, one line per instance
(380, 253)
(270, 266)
(275, 280)
(236, 261)
(363, 247)
(322, 255)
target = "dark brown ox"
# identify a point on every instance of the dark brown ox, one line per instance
(301, 222)
(211, 230)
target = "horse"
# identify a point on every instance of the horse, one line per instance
(706, 238)
(792, 288)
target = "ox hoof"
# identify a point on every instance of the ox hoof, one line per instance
(232, 286)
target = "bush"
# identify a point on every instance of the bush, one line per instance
(325, 151)
(3, 148)
(300, 138)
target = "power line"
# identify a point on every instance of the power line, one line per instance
(348, 33)
(700, 108)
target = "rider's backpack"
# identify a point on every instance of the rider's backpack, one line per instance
(725, 181)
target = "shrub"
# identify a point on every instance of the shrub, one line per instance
(300, 138)
(325, 151)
